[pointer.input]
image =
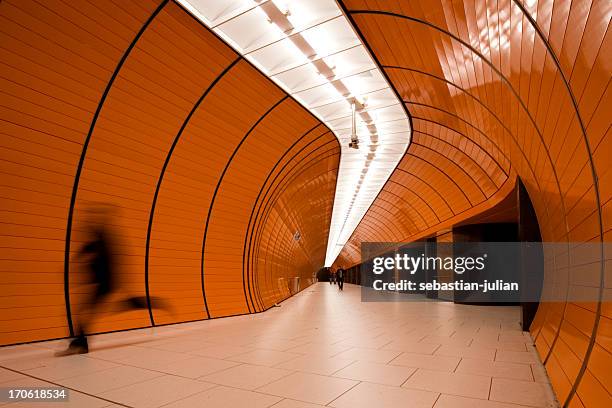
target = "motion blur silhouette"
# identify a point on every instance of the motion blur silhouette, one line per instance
(98, 259)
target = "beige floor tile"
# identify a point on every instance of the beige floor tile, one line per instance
(68, 366)
(153, 359)
(319, 329)
(539, 373)
(533, 394)
(306, 387)
(8, 375)
(514, 337)
(195, 367)
(246, 376)
(156, 392)
(75, 400)
(24, 351)
(364, 342)
(453, 401)
(101, 381)
(445, 340)
(226, 397)
(177, 345)
(465, 385)
(510, 346)
(442, 363)
(496, 369)
(524, 357)
(219, 350)
(289, 403)
(412, 347)
(316, 364)
(277, 344)
(367, 395)
(376, 373)
(318, 349)
(114, 353)
(371, 355)
(264, 357)
(469, 352)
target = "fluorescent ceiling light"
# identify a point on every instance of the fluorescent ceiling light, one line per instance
(310, 49)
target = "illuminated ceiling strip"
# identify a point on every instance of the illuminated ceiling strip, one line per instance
(309, 48)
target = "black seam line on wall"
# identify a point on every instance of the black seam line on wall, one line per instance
(520, 101)
(264, 205)
(451, 161)
(501, 76)
(270, 203)
(477, 100)
(442, 172)
(375, 230)
(460, 151)
(212, 202)
(309, 165)
(304, 164)
(264, 75)
(248, 229)
(463, 134)
(381, 219)
(248, 236)
(480, 103)
(429, 136)
(391, 215)
(431, 188)
(591, 345)
(77, 177)
(412, 208)
(399, 208)
(276, 194)
(419, 197)
(163, 172)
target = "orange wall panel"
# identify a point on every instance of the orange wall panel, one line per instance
(144, 110)
(537, 90)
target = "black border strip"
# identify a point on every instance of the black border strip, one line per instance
(461, 168)
(214, 196)
(460, 132)
(77, 177)
(305, 163)
(196, 106)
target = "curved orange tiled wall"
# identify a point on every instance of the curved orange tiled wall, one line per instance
(223, 184)
(529, 83)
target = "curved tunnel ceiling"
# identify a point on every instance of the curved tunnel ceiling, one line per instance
(310, 49)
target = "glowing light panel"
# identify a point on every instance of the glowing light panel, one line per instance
(310, 49)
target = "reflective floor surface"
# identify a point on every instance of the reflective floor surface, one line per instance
(321, 347)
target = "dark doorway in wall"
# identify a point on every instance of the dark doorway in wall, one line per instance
(532, 261)
(512, 220)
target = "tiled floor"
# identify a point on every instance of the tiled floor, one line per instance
(320, 348)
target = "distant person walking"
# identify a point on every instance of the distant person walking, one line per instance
(340, 278)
